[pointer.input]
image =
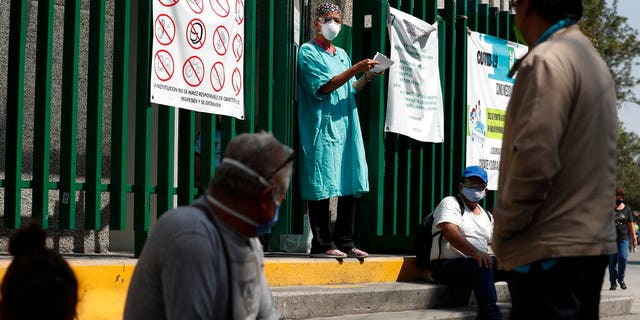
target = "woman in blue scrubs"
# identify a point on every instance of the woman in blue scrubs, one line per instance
(333, 161)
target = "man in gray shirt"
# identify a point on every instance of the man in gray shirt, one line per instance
(205, 261)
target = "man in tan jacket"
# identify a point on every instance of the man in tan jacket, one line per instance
(553, 229)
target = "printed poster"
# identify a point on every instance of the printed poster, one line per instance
(414, 103)
(197, 55)
(489, 60)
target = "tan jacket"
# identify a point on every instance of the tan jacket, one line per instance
(558, 161)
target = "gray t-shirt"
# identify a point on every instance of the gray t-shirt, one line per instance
(182, 272)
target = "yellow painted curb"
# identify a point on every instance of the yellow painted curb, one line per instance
(306, 271)
(103, 283)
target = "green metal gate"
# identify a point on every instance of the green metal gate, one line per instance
(407, 177)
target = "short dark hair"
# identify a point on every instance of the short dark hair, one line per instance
(556, 10)
(39, 283)
(620, 191)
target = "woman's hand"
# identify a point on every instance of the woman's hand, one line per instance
(365, 65)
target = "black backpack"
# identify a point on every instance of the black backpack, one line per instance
(424, 238)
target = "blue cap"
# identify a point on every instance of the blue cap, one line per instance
(475, 171)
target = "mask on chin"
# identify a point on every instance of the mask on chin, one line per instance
(330, 30)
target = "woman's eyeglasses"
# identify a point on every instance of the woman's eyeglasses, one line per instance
(327, 19)
(474, 185)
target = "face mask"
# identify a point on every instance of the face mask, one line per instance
(618, 202)
(473, 194)
(330, 30)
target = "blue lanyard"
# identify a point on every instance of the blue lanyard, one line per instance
(557, 26)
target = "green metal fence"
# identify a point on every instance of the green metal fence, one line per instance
(407, 177)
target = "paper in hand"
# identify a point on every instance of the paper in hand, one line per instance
(384, 64)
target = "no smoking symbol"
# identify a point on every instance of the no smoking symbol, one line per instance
(165, 29)
(220, 7)
(239, 11)
(238, 47)
(196, 33)
(221, 40)
(163, 65)
(197, 6)
(169, 3)
(236, 81)
(217, 76)
(193, 71)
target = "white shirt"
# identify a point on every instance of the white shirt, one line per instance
(476, 228)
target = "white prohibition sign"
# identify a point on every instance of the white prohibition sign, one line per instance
(163, 65)
(196, 33)
(239, 11)
(220, 7)
(197, 6)
(193, 71)
(221, 40)
(217, 76)
(238, 47)
(165, 29)
(236, 81)
(169, 3)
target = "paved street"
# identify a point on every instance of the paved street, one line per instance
(632, 278)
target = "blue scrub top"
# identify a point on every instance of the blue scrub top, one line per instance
(333, 161)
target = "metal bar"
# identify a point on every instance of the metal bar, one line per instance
(266, 66)
(483, 18)
(207, 150)
(250, 45)
(119, 117)
(69, 114)
(166, 142)
(42, 118)
(186, 128)
(460, 97)
(372, 203)
(15, 107)
(505, 25)
(95, 105)
(141, 188)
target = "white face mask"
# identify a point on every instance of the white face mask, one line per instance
(330, 30)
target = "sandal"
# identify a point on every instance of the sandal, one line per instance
(356, 253)
(331, 253)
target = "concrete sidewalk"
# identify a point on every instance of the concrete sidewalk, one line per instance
(632, 278)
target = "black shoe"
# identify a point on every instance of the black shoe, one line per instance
(623, 285)
(613, 287)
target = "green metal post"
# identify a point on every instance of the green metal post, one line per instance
(266, 66)
(186, 125)
(142, 189)
(42, 121)
(166, 143)
(69, 114)
(120, 105)
(370, 211)
(95, 106)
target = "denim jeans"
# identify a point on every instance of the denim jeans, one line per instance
(619, 259)
(465, 273)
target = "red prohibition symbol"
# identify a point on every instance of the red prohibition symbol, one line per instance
(169, 3)
(238, 47)
(193, 71)
(163, 65)
(221, 40)
(217, 76)
(220, 7)
(236, 81)
(197, 6)
(196, 33)
(239, 11)
(165, 29)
